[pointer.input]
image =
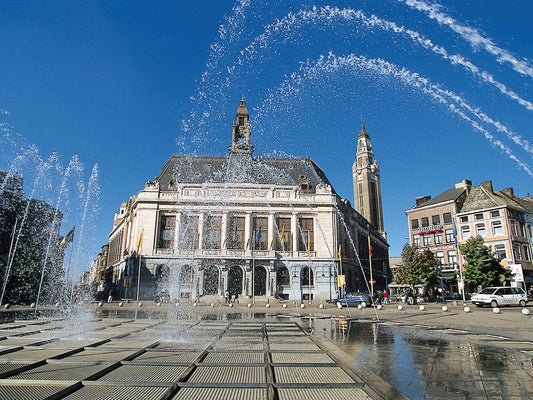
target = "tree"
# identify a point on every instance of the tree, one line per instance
(418, 268)
(481, 267)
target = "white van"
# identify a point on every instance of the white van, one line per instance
(500, 296)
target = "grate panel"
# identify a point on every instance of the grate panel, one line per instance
(235, 358)
(61, 371)
(145, 373)
(221, 394)
(168, 356)
(31, 354)
(16, 392)
(301, 358)
(100, 355)
(118, 393)
(208, 374)
(294, 346)
(312, 375)
(322, 394)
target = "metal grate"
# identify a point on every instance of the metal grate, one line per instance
(322, 394)
(311, 375)
(221, 394)
(61, 371)
(208, 374)
(168, 356)
(145, 373)
(28, 392)
(301, 358)
(118, 393)
(235, 358)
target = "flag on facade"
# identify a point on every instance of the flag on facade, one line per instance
(340, 255)
(454, 232)
(370, 250)
(282, 234)
(511, 230)
(139, 242)
(308, 241)
(258, 236)
(69, 237)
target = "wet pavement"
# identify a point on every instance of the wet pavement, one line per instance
(218, 352)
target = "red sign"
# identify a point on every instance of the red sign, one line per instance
(372, 281)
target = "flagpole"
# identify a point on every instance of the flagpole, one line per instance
(309, 266)
(370, 266)
(253, 272)
(139, 264)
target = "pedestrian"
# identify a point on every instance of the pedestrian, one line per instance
(385, 297)
(110, 297)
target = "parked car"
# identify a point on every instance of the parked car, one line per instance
(500, 296)
(353, 299)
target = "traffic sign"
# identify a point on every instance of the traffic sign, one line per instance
(372, 281)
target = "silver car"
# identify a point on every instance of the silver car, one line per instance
(500, 296)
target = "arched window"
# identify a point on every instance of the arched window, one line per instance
(283, 277)
(306, 279)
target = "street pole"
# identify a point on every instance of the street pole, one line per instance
(439, 266)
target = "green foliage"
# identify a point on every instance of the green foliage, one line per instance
(418, 268)
(481, 267)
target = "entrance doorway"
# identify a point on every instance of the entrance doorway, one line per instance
(260, 281)
(235, 277)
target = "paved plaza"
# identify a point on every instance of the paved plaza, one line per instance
(214, 351)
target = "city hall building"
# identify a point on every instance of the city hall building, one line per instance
(249, 228)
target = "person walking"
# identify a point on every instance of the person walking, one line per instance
(385, 296)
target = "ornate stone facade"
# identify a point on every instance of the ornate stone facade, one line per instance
(251, 227)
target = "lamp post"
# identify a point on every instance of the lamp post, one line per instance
(439, 266)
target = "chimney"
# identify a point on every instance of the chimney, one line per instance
(528, 197)
(487, 186)
(509, 192)
(422, 200)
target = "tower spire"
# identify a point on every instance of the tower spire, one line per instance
(366, 182)
(241, 131)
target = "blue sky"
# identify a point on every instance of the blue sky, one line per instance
(444, 92)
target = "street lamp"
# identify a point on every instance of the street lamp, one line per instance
(439, 266)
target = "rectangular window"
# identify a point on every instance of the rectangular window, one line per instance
(306, 235)
(449, 235)
(464, 218)
(478, 216)
(465, 232)
(235, 233)
(452, 259)
(499, 251)
(416, 240)
(260, 233)
(283, 235)
(435, 219)
(189, 232)
(438, 238)
(427, 240)
(425, 221)
(495, 213)
(481, 230)
(447, 218)
(166, 231)
(496, 228)
(212, 232)
(414, 224)
(439, 256)
(526, 252)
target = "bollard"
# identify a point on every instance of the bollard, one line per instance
(158, 304)
(267, 305)
(100, 304)
(525, 311)
(249, 305)
(140, 304)
(321, 306)
(400, 307)
(302, 305)
(466, 309)
(285, 305)
(379, 307)
(496, 310)
(120, 304)
(444, 308)
(421, 308)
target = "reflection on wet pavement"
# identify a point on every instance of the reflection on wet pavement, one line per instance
(434, 364)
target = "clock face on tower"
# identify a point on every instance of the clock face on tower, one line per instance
(359, 177)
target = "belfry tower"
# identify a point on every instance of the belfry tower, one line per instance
(240, 143)
(366, 182)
